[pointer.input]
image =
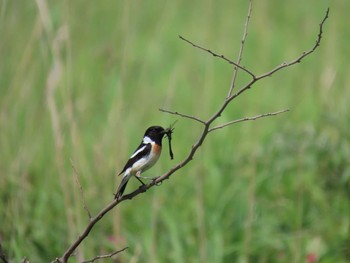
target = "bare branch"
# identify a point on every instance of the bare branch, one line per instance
(248, 119)
(87, 230)
(183, 115)
(76, 176)
(104, 256)
(235, 71)
(219, 56)
(278, 68)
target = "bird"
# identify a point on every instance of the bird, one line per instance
(143, 158)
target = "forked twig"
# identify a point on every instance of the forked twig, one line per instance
(245, 33)
(269, 73)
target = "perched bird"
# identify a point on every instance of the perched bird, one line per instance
(144, 157)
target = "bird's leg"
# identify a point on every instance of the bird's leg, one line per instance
(140, 180)
(137, 176)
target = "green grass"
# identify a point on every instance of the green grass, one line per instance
(273, 190)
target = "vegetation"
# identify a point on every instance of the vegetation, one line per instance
(82, 80)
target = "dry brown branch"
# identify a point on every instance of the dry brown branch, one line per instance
(87, 230)
(76, 176)
(239, 59)
(205, 131)
(104, 256)
(269, 73)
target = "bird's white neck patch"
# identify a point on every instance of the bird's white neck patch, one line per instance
(147, 139)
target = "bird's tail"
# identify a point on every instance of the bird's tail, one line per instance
(122, 186)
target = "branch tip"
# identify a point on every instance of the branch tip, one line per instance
(182, 115)
(105, 256)
(248, 119)
(217, 55)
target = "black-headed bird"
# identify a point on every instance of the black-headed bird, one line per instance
(143, 158)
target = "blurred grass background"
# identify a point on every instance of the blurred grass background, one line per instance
(82, 80)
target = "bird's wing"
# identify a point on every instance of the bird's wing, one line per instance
(141, 151)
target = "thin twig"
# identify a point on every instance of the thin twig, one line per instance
(219, 56)
(76, 176)
(183, 115)
(302, 56)
(104, 256)
(248, 119)
(239, 59)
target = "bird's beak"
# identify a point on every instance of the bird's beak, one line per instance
(166, 131)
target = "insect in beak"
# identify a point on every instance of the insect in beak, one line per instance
(168, 132)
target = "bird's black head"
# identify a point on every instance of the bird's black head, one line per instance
(155, 133)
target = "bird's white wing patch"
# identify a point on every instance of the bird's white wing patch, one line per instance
(136, 152)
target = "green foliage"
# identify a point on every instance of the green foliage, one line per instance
(81, 80)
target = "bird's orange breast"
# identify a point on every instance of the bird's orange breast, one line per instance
(157, 149)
